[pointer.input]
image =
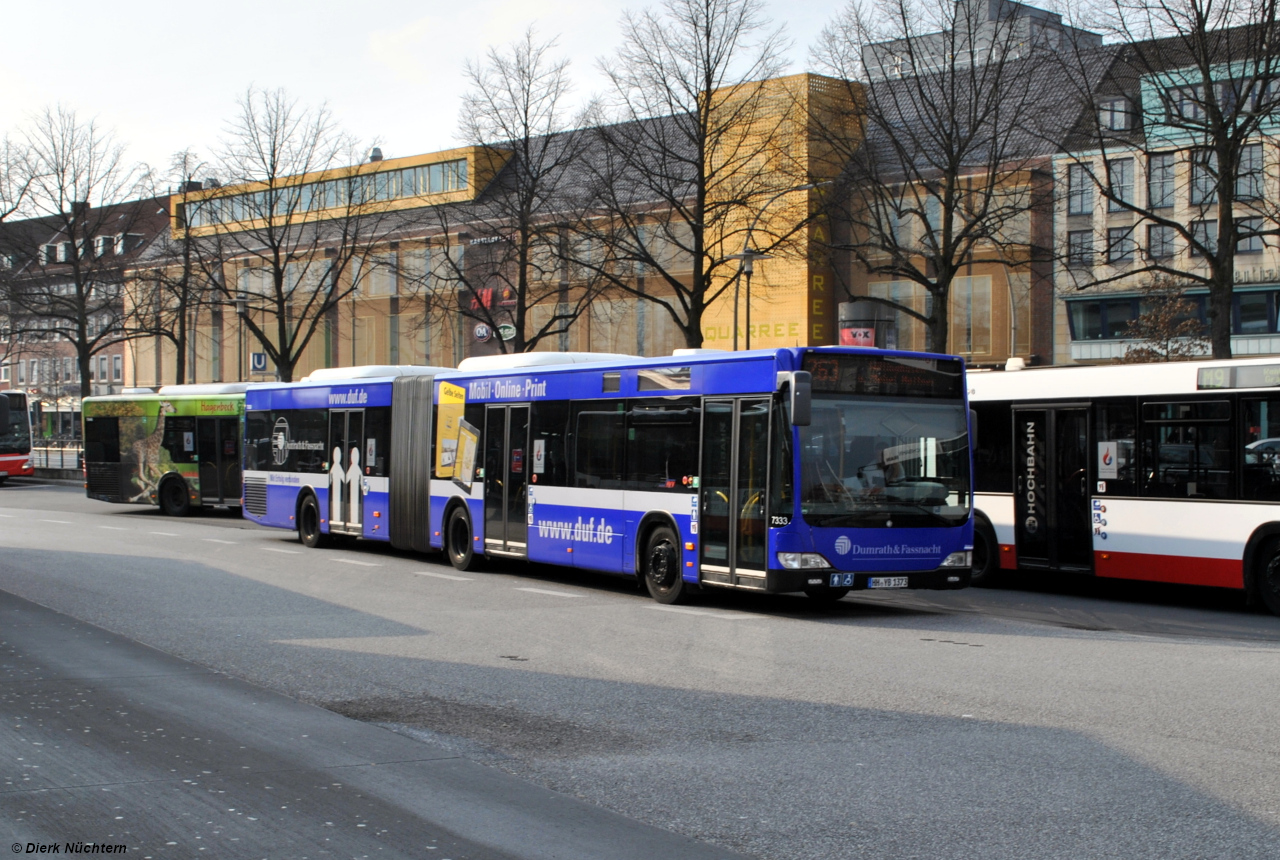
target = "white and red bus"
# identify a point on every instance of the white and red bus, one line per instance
(15, 438)
(1158, 472)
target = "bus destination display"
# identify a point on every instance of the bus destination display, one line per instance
(1247, 376)
(879, 375)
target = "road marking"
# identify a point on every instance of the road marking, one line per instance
(353, 561)
(722, 615)
(166, 534)
(215, 540)
(114, 528)
(277, 549)
(7, 516)
(443, 576)
(547, 591)
(62, 522)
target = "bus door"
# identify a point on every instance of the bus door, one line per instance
(346, 471)
(735, 466)
(218, 450)
(506, 447)
(1051, 488)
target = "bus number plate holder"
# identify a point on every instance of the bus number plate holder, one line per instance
(887, 582)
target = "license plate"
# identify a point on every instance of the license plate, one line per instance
(887, 582)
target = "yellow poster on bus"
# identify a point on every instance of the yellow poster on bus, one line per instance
(449, 410)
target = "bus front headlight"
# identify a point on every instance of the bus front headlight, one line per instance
(802, 560)
(958, 559)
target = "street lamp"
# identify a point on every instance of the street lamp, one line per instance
(241, 302)
(749, 255)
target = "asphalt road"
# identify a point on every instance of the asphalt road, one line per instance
(1054, 719)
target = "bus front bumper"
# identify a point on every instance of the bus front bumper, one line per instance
(798, 580)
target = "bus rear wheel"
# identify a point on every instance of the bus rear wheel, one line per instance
(309, 524)
(1266, 580)
(661, 567)
(174, 501)
(986, 555)
(458, 544)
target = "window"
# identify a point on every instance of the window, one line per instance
(103, 246)
(1186, 449)
(993, 456)
(1079, 190)
(1260, 478)
(1120, 245)
(4, 373)
(1080, 248)
(117, 368)
(1160, 180)
(1160, 241)
(102, 368)
(599, 430)
(971, 314)
(1186, 104)
(1121, 171)
(377, 441)
(22, 372)
(180, 439)
(1206, 234)
(1253, 314)
(258, 441)
(1249, 178)
(611, 383)
(1116, 425)
(1113, 114)
(1105, 319)
(1250, 241)
(549, 427)
(1204, 178)
(663, 379)
(660, 456)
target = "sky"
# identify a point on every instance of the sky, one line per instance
(165, 76)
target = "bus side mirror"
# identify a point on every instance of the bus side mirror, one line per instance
(801, 396)
(973, 429)
(4, 413)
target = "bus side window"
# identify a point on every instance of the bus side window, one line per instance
(377, 441)
(102, 439)
(1261, 473)
(257, 441)
(180, 439)
(549, 456)
(1116, 427)
(600, 434)
(659, 454)
(993, 457)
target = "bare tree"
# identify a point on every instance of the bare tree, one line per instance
(695, 150)
(1167, 327)
(500, 260)
(281, 250)
(953, 162)
(1187, 104)
(171, 280)
(91, 213)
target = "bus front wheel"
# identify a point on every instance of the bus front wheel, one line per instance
(174, 501)
(309, 524)
(458, 546)
(1266, 579)
(662, 574)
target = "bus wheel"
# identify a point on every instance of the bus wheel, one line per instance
(986, 555)
(174, 501)
(458, 545)
(1266, 579)
(309, 524)
(662, 567)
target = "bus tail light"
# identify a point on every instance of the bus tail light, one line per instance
(958, 559)
(802, 560)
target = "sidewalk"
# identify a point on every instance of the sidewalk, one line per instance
(112, 742)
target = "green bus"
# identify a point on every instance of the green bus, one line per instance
(178, 447)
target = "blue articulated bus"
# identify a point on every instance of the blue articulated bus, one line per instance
(811, 469)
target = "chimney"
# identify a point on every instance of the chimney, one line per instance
(192, 185)
(376, 154)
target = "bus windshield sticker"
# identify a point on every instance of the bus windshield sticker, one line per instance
(1108, 465)
(467, 444)
(539, 456)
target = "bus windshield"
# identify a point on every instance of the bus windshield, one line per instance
(874, 461)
